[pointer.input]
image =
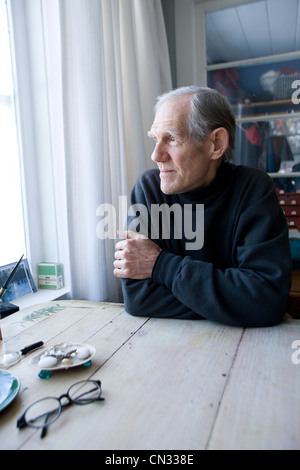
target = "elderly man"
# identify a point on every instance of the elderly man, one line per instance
(240, 274)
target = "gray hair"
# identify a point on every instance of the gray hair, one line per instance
(209, 111)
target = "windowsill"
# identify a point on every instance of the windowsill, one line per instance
(41, 296)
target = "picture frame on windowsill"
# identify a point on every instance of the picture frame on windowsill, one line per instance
(21, 284)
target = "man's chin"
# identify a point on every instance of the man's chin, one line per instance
(170, 184)
(167, 189)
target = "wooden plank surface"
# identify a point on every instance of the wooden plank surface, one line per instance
(162, 390)
(100, 325)
(260, 408)
(168, 384)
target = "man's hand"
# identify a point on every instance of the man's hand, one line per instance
(135, 256)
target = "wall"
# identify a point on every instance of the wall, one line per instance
(169, 16)
(181, 28)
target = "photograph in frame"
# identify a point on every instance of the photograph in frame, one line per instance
(21, 284)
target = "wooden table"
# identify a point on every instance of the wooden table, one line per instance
(168, 384)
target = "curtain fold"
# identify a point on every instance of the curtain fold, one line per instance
(114, 64)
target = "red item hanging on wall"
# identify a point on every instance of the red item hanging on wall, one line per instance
(226, 81)
(253, 135)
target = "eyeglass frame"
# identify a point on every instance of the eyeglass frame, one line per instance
(22, 422)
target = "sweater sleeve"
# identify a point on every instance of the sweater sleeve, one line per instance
(252, 292)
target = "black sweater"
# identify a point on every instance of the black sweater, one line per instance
(242, 274)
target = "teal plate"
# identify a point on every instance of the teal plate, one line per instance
(9, 388)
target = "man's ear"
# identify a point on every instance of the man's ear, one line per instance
(219, 142)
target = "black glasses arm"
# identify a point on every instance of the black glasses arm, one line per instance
(21, 423)
(45, 427)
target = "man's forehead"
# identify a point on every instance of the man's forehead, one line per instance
(172, 116)
(168, 127)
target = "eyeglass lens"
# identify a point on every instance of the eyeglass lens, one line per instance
(84, 392)
(43, 412)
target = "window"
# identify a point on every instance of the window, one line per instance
(40, 212)
(12, 240)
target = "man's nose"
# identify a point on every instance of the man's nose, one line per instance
(160, 153)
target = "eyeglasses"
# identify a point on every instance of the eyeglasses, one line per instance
(44, 412)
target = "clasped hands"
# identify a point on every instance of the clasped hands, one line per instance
(135, 256)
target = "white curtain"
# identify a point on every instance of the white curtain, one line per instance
(88, 73)
(114, 63)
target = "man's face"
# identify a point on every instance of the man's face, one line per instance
(184, 165)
